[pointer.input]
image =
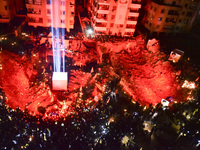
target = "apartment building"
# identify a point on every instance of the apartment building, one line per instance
(170, 16)
(9, 8)
(55, 13)
(115, 17)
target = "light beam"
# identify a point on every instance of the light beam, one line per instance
(59, 79)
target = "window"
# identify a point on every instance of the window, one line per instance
(121, 25)
(103, 7)
(112, 24)
(71, 22)
(186, 21)
(151, 7)
(38, 2)
(130, 26)
(170, 20)
(99, 24)
(186, 5)
(48, 11)
(127, 33)
(62, 2)
(113, 17)
(63, 13)
(114, 8)
(168, 27)
(130, 18)
(173, 3)
(160, 19)
(40, 20)
(192, 7)
(30, 10)
(134, 9)
(49, 20)
(6, 7)
(72, 13)
(173, 12)
(29, 1)
(62, 21)
(48, 1)
(162, 11)
(189, 14)
(155, 9)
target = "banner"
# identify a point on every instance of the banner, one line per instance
(121, 11)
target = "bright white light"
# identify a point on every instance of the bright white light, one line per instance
(125, 140)
(14, 141)
(189, 85)
(58, 37)
(30, 138)
(89, 31)
(164, 102)
(59, 76)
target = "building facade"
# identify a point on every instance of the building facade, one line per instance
(170, 16)
(9, 8)
(115, 17)
(51, 13)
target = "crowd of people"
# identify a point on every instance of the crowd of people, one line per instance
(119, 123)
(114, 125)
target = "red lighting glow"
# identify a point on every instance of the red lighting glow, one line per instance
(143, 74)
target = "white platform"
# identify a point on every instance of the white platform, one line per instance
(59, 80)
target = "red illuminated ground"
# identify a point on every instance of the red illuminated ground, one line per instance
(146, 75)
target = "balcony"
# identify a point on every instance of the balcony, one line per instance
(100, 28)
(4, 17)
(133, 14)
(168, 28)
(135, 6)
(130, 26)
(161, 2)
(34, 2)
(104, 2)
(131, 18)
(129, 30)
(98, 24)
(101, 20)
(170, 20)
(131, 22)
(102, 11)
(32, 11)
(4, 20)
(35, 20)
(134, 10)
(103, 7)
(136, 2)
(173, 12)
